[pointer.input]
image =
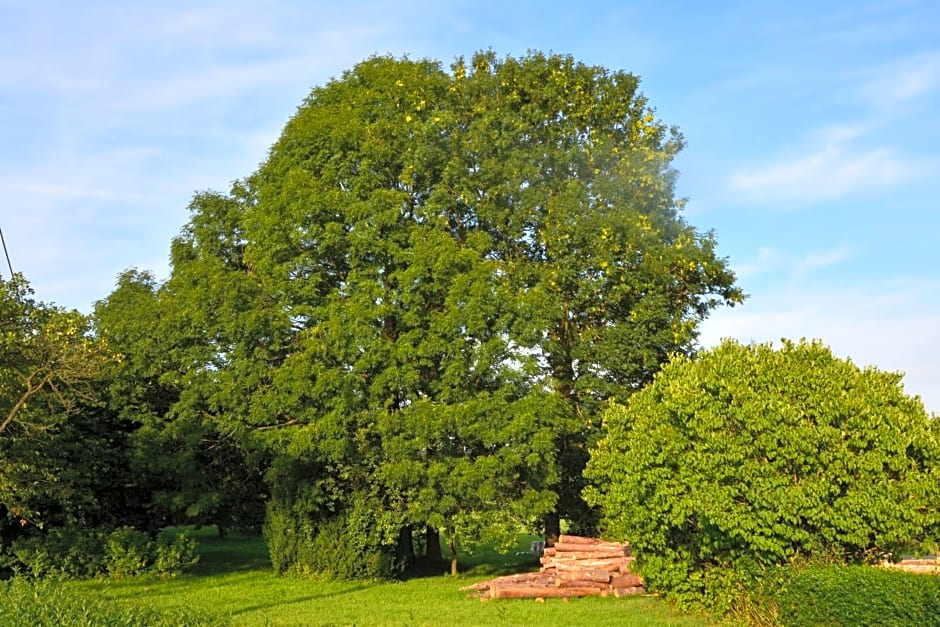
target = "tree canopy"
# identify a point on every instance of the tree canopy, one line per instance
(182, 467)
(425, 291)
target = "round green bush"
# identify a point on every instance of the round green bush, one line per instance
(746, 457)
(61, 552)
(174, 553)
(129, 552)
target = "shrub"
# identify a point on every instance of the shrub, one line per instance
(129, 552)
(288, 530)
(175, 554)
(63, 551)
(747, 457)
(859, 595)
(347, 545)
(338, 551)
(81, 553)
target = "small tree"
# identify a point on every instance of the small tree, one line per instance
(50, 367)
(183, 467)
(746, 457)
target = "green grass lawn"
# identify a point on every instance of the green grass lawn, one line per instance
(235, 582)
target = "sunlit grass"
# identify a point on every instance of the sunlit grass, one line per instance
(234, 580)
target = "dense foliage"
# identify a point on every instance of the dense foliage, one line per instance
(747, 457)
(49, 364)
(421, 297)
(183, 468)
(341, 547)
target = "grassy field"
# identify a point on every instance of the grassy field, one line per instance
(234, 581)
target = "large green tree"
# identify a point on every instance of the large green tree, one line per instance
(421, 297)
(401, 380)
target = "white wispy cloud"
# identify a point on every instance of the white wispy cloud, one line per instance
(124, 111)
(45, 188)
(901, 81)
(834, 169)
(789, 265)
(766, 259)
(869, 151)
(816, 260)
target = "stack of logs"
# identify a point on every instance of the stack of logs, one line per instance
(913, 565)
(574, 567)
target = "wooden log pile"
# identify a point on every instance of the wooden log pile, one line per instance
(574, 567)
(913, 565)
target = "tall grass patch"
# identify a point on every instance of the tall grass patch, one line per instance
(44, 603)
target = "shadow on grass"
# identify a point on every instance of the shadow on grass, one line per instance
(279, 603)
(498, 570)
(481, 563)
(235, 553)
(239, 553)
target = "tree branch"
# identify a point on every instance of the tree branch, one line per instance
(31, 391)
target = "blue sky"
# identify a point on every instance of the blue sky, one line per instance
(813, 134)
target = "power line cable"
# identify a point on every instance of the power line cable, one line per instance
(7, 254)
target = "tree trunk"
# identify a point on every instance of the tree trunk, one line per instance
(433, 544)
(453, 556)
(406, 546)
(552, 524)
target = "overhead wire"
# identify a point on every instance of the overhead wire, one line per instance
(6, 254)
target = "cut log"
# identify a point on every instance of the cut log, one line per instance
(589, 555)
(520, 578)
(606, 547)
(609, 565)
(626, 581)
(532, 592)
(575, 567)
(569, 539)
(478, 587)
(599, 576)
(583, 583)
